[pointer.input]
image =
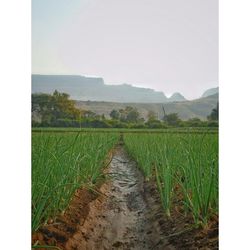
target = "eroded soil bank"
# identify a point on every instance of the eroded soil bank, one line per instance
(128, 215)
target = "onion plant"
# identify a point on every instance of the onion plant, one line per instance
(187, 161)
(61, 163)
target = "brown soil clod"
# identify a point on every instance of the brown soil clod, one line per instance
(128, 216)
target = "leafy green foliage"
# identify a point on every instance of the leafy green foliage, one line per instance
(129, 114)
(184, 163)
(214, 116)
(151, 116)
(61, 163)
(57, 110)
(54, 107)
(172, 119)
(114, 114)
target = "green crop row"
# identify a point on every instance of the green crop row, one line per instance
(183, 164)
(189, 130)
(61, 163)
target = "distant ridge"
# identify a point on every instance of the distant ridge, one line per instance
(211, 91)
(177, 97)
(92, 88)
(199, 108)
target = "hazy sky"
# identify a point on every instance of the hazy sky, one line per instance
(168, 45)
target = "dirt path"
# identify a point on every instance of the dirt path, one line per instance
(128, 217)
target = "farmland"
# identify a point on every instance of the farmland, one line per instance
(189, 162)
(61, 163)
(152, 173)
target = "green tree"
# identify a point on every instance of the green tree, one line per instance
(42, 106)
(151, 115)
(62, 107)
(132, 114)
(114, 114)
(214, 116)
(172, 119)
(194, 122)
(129, 114)
(89, 114)
(155, 124)
(123, 115)
(55, 108)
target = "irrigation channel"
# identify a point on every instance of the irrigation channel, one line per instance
(129, 217)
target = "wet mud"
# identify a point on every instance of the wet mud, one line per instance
(128, 217)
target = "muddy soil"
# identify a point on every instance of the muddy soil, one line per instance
(128, 215)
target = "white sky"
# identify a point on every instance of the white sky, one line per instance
(168, 45)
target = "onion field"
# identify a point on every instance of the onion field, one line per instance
(176, 172)
(182, 164)
(62, 163)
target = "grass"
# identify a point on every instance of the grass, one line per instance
(61, 163)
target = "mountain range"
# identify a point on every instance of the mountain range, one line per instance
(94, 89)
(91, 93)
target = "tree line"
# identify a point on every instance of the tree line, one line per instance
(58, 110)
